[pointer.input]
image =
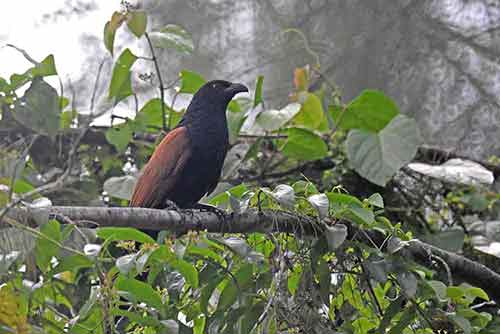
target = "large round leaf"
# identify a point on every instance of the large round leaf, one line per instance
(377, 157)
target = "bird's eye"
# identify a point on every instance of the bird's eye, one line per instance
(214, 85)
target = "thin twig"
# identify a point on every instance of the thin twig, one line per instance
(160, 81)
(96, 86)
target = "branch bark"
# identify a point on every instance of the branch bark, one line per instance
(267, 221)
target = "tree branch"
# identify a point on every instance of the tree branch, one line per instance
(180, 222)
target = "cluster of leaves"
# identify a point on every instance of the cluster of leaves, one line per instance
(122, 280)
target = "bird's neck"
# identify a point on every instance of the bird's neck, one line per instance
(207, 127)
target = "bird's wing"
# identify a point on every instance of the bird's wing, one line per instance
(159, 175)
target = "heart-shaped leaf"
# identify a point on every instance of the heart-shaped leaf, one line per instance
(335, 235)
(377, 157)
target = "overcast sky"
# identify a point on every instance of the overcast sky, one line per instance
(32, 26)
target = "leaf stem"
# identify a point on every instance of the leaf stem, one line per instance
(160, 80)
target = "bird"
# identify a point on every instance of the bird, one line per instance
(187, 163)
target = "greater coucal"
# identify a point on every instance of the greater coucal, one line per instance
(187, 163)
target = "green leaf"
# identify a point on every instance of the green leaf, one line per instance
(110, 29)
(359, 215)
(39, 109)
(190, 82)
(343, 199)
(73, 263)
(150, 114)
(377, 157)
(439, 289)
(303, 144)
(376, 200)
(389, 313)
(45, 68)
(45, 247)
(230, 293)
(22, 186)
(455, 292)
(187, 270)
(123, 233)
(294, 279)
(474, 292)
(137, 21)
(140, 291)
(173, 37)
(272, 119)
(363, 325)
(223, 197)
(119, 137)
(4, 85)
(121, 85)
(18, 80)
(404, 321)
(66, 119)
(370, 111)
(120, 187)
(258, 91)
(311, 115)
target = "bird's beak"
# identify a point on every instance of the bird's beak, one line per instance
(236, 88)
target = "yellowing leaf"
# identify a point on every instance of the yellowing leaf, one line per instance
(11, 315)
(301, 79)
(137, 22)
(311, 114)
(110, 29)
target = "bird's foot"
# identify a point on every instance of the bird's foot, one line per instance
(170, 205)
(221, 214)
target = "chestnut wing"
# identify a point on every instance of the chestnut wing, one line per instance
(159, 176)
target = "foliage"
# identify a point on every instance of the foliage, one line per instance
(122, 280)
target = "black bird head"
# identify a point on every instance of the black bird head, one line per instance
(210, 102)
(219, 91)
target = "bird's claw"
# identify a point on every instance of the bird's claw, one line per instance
(170, 205)
(221, 214)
